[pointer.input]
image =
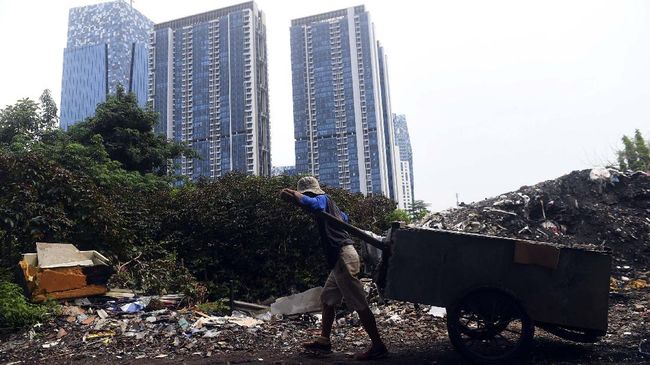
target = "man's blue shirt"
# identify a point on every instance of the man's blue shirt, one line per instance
(318, 204)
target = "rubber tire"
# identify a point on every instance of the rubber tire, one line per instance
(453, 330)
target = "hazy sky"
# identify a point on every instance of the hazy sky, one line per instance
(497, 94)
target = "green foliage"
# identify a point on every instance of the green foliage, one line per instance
(20, 121)
(399, 215)
(127, 134)
(419, 210)
(49, 111)
(635, 154)
(15, 311)
(216, 308)
(100, 187)
(157, 277)
(237, 228)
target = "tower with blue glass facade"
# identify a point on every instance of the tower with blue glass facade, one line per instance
(208, 81)
(337, 101)
(107, 45)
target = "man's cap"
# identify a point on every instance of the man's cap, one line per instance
(309, 184)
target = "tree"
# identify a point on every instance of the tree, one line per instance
(399, 215)
(49, 110)
(20, 120)
(635, 154)
(419, 210)
(127, 134)
(28, 120)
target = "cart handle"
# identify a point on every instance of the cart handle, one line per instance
(354, 231)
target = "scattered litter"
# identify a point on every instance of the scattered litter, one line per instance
(47, 345)
(637, 284)
(183, 324)
(133, 307)
(599, 174)
(644, 347)
(438, 312)
(82, 302)
(100, 334)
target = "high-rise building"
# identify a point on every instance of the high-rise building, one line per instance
(107, 46)
(337, 103)
(403, 142)
(392, 155)
(208, 81)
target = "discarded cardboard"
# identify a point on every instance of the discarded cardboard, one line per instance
(61, 271)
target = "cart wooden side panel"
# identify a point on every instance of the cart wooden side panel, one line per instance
(436, 267)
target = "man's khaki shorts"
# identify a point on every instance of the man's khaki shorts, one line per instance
(343, 284)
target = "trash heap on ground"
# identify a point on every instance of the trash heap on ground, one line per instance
(603, 207)
(122, 325)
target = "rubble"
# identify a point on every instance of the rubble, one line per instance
(602, 207)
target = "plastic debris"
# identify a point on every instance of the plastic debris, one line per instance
(637, 284)
(438, 312)
(47, 345)
(644, 347)
(183, 324)
(599, 174)
(305, 302)
(133, 307)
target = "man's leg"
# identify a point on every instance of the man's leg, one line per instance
(370, 325)
(355, 297)
(327, 320)
(330, 297)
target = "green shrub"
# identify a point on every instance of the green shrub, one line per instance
(216, 308)
(15, 311)
(159, 276)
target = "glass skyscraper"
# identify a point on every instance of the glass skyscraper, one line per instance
(208, 81)
(337, 101)
(392, 155)
(405, 158)
(107, 45)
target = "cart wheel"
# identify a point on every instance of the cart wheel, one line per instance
(489, 326)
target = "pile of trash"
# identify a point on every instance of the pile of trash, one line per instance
(601, 207)
(124, 326)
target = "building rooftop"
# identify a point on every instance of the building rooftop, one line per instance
(204, 17)
(324, 16)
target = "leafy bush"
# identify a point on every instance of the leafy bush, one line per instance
(15, 311)
(216, 308)
(159, 276)
(237, 228)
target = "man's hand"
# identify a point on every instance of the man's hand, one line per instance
(288, 195)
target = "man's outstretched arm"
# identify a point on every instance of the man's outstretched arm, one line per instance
(315, 204)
